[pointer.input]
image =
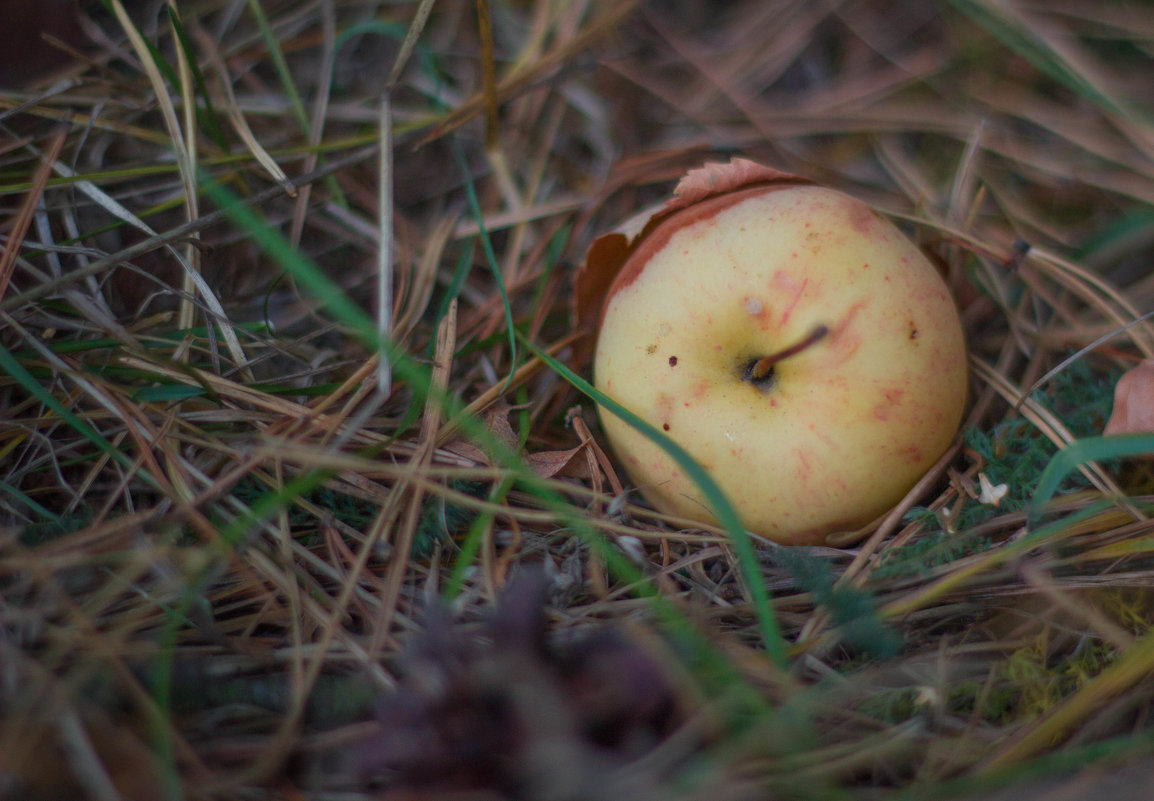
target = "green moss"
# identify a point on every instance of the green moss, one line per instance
(927, 552)
(891, 706)
(442, 521)
(851, 608)
(47, 531)
(348, 509)
(1013, 453)
(1024, 686)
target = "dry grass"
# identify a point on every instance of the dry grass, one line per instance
(220, 543)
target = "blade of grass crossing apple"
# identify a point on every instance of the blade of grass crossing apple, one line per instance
(767, 619)
(1079, 452)
(309, 277)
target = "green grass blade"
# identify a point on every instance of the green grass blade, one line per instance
(453, 291)
(1039, 53)
(281, 66)
(9, 365)
(363, 328)
(767, 619)
(208, 117)
(490, 256)
(1116, 233)
(713, 666)
(31, 504)
(278, 248)
(161, 62)
(1079, 452)
(472, 542)
(1069, 761)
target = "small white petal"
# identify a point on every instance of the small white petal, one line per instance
(991, 494)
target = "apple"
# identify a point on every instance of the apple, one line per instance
(794, 342)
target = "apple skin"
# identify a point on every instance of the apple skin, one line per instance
(844, 428)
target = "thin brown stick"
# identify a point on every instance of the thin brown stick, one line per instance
(28, 210)
(764, 365)
(488, 73)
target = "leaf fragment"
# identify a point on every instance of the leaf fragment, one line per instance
(1133, 401)
(609, 252)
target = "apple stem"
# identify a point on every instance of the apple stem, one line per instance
(762, 367)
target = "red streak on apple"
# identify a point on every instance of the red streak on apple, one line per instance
(844, 340)
(783, 282)
(665, 406)
(803, 463)
(862, 219)
(891, 404)
(910, 453)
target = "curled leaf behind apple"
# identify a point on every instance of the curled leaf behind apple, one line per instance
(795, 343)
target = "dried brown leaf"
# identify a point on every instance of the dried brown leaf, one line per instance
(570, 464)
(715, 178)
(497, 419)
(1134, 401)
(609, 252)
(594, 277)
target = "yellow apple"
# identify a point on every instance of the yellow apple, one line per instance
(796, 344)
